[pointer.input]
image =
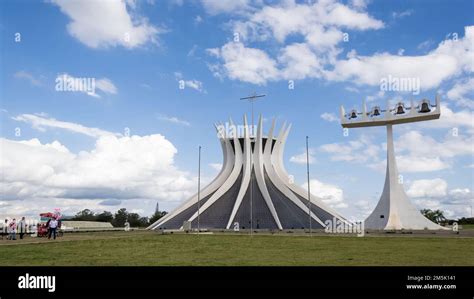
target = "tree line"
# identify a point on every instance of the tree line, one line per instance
(437, 216)
(122, 215)
(119, 218)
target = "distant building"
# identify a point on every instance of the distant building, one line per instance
(85, 225)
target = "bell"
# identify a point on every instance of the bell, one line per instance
(354, 114)
(400, 109)
(425, 107)
(376, 111)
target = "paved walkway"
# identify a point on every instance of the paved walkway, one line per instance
(72, 237)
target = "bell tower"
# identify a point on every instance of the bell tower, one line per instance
(394, 210)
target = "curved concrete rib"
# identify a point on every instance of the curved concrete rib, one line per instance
(226, 169)
(275, 179)
(229, 181)
(277, 156)
(246, 173)
(282, 173)
(258, 166)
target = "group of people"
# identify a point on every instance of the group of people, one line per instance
(10, 229)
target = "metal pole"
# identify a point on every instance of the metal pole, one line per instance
(251, 99)
(251, 181)
(252, 147)
(251, 167)
(309, 190)
(199, 189)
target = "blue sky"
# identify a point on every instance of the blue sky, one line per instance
(66, 154)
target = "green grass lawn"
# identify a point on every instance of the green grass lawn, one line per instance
(152, 249)
(467, 226)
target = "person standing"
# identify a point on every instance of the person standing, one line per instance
(53, 225)
(5, 229)
(13, 229)
(22, 227)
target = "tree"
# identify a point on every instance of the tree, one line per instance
(105, 216)
(465, 220)
(156, 216)
(435, 216)
(143, 222)
(120, 217)
(134, 219)
(85, 215)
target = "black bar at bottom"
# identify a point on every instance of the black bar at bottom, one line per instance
(290, 282)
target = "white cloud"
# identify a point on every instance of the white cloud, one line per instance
(351, 89)
(450, 58)
(246, 64)
(411, 163)
(193, 83)
(214, 7)
(298, 62)
(369, 70)
(27, 76)
(103, 24)
(302, 159)
(402, 14)
(434, 194)
(216, 166)
(379, 95)
(330, 194)
(364, 208)
(288, 18)
(449, 119)
(461, 195)
(320, 25)
(144, 85)
(174, 119)
(425, 44)
(359, 4)
(462, 93)
(136, 170)
(87, 85)
(331, 117)
(198, 19)
(428, 188)
(420, 145)
(428, 203)
(192, 51)
(40, 123)
(119, 168)
(416, 150)
(361, 150)
(105, 85)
